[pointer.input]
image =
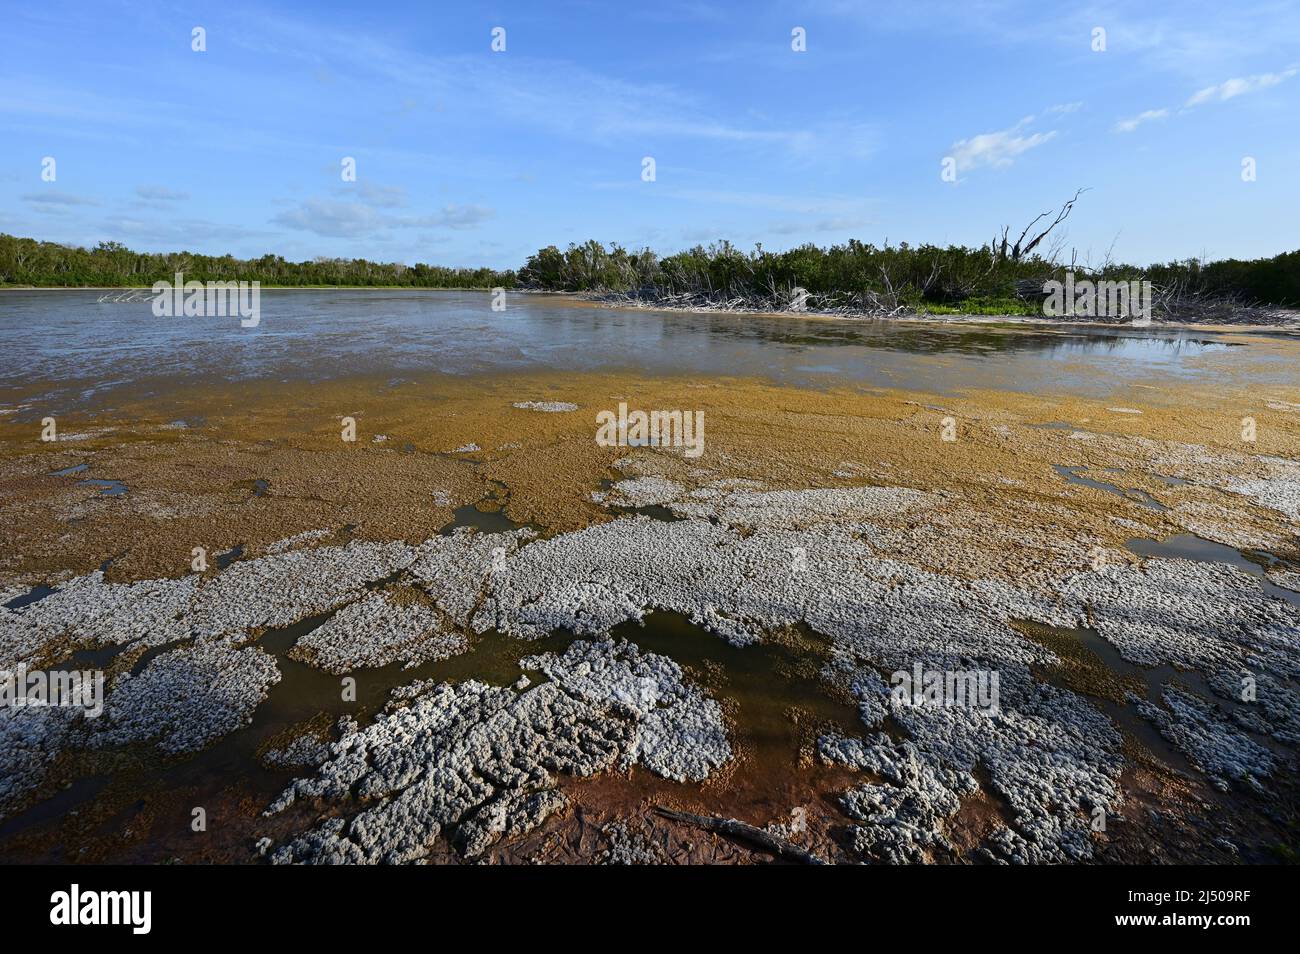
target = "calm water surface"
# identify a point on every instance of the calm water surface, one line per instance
(69, 344)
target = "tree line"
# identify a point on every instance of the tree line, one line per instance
(25, 261)
(926, 277)
(921, 276)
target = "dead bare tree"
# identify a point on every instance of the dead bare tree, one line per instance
(1055, 248)
(1024, 245)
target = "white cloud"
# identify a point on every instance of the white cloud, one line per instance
(825, 212)
(998, 149)
(334, 218)
(837, 224)
(1230, 89)
(381, 197)
(331, 218)
(452, 217)
(801, 204)
(54, 198)
(172, 233)
(1132, 123)
(560, 97)
(1218, 93)
(158, 197)
(159, 193)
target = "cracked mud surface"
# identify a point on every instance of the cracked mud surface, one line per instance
(547, 637)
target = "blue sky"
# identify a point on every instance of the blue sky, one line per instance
(465, 156)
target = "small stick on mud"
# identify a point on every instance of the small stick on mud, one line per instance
(738, 829)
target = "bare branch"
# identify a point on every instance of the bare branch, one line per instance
(1061, 216)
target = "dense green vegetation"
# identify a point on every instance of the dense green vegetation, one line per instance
(1272, 281)
(926, 277)
(29, 262)
(839, 275)
(854, 275)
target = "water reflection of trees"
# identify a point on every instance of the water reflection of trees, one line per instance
(937, 339)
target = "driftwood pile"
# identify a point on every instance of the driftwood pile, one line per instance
(865, 305)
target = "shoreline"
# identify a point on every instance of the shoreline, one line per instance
(957, 318)
(1288, 326)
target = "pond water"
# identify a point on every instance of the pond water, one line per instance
(79, 349)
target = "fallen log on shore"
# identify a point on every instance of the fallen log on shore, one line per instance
(739, 829)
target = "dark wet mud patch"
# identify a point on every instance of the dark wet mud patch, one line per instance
(143, 784)
(98, 657)
(35, 594)
(776, 701)
(63, 802)
(653, 511)
(66, 654)
(777, 704)
(119, 808)
(306, 693)
(980, 815)
(1187, 546)
(138, 659)
(108, 562)
(109, 488)
(1075, 475)
(69, 471)
(258, 487)
(485, 517)
(1092, 667)
(224, 560)
(1083, 667)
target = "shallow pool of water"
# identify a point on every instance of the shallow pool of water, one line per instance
(109, 488)
(1187, 546)
(1076, 475)
(67, 337)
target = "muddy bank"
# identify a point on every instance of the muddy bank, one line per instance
(549, 637)
(1254, 318)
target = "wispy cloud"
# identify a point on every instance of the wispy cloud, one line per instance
(838, 224)
(1133, 122)
(381, 196)
(823, 208)
(1218, 93)
(53, 199)
(799, 204)
(558, 96)
(158, 197)
(159, 193)
(171, 233)
(334, 218)
(1232, 88)
(998, 149)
